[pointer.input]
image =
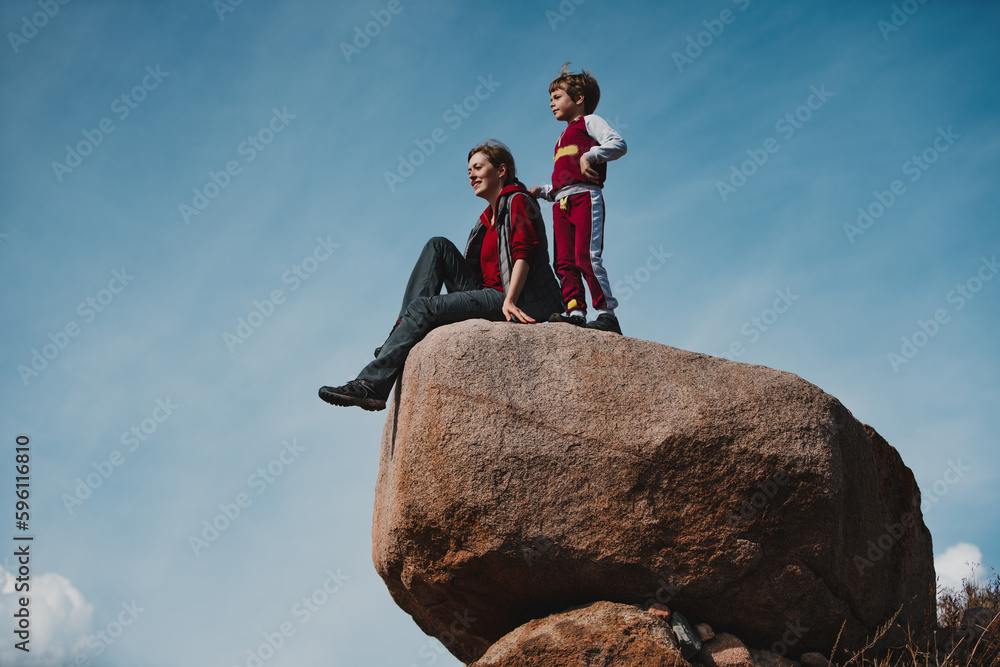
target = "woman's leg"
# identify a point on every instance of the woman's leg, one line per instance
(424, 308)
(440, 264)
(420, 316)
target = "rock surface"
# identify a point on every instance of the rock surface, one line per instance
(527, 469)
(814, 660)
(725, 650)
(687, 638)
(597, 635)
(768, 659)
(976, 620)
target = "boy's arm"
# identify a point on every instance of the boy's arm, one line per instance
(541, 192)
(611, 145)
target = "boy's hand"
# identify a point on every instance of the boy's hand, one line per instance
(588, 172)
(536, 192)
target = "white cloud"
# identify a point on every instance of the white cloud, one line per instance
(61, 619)
(956, 564)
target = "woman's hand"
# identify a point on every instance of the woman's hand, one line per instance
(518, 276)
(536, 192)
(511, 311)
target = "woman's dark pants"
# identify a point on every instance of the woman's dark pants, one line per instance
(424, 307)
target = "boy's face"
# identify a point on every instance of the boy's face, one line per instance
(565, 107)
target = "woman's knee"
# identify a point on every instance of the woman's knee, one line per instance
(423, 313)
(429, 312)
(436, 244)
(434, 249)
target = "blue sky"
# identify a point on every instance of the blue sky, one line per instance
(756, 132)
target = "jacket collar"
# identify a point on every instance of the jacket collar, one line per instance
(513, 187)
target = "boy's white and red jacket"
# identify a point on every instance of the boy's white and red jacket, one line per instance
(588, 135)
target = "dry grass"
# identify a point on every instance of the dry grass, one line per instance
(947, 643)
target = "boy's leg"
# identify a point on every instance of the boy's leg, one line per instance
(587, 213)
(423, 314)
(564, 239)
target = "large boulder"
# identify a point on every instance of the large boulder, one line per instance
(597, 635)
(527, 469)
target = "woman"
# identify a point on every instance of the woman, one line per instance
(504, 275)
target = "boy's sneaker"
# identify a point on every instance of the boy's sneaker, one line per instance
(606, 322)
(578, 320)
(356, 392)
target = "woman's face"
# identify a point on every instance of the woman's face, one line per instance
(486, 180)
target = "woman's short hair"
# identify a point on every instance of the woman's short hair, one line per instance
(497, 153)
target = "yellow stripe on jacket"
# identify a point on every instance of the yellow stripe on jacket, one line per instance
(566, 150)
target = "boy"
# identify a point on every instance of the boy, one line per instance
(583, 150)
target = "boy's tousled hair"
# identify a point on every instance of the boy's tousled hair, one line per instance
(497, 153)
(578, 84)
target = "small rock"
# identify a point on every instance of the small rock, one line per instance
(768, 659)
(661, 610)
(596, 635)
(704, 631)
(686, 636)
(976, 620)
(814, 660)
(725, 650)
